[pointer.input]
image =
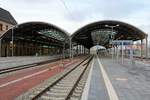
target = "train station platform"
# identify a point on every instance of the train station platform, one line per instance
(8, 62)
(111, 80)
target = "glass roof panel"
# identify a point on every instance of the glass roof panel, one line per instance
(101, 36)
(53, 34)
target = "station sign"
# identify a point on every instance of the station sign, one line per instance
(122, 42)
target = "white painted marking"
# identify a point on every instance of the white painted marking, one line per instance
(110, 89)
(121, 79)
(87, 84)
(20, 79)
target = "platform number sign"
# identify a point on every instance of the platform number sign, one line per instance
(122, 42)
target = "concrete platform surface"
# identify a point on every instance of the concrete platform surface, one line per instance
(7, 62)
(97, 90)
(111, 80)
(129, 82)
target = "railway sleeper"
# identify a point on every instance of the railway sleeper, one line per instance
(59, 91)
(60, 87)
(54, 94)
(74, 98)
(50, 98)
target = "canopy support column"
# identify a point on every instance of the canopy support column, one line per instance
(122, 52)
(141, 49)
(84, 50)
(80, 50)
(70, 47)
(72, 51)
(0, 47)
(117, 54)
(12, 41)
(146, 46)
(77, 49)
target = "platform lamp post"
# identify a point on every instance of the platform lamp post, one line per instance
(112, 35)
(12, 41)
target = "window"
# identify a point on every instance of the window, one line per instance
(6, 27)
(1, 27)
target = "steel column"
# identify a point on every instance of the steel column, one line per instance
(122, 52)
(0, 47)
(146, 46)
(70, 47)
(141, 49)
(12, 40)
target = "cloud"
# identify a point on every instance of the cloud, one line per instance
(120, 8)
(81, 11)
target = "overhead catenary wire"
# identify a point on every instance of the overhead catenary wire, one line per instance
(66, 7)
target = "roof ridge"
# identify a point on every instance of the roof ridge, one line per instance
(6, 16)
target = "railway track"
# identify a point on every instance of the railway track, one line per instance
(12, 69)
(67, 87)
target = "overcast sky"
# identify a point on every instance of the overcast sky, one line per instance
(78, 13)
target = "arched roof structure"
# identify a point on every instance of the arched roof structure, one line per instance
(124, 31)
(39, 32)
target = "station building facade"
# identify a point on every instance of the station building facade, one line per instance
(29, 39)
(33, 39)
(40, 38)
